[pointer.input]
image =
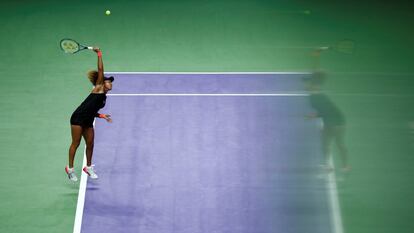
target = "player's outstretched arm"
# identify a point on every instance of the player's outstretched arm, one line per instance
(100, 79)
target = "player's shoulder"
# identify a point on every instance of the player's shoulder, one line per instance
(98, 89)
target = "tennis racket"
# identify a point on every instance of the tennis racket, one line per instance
(71, 46)
(344, 46)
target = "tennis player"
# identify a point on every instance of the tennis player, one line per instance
(83, 117)
(332, 118)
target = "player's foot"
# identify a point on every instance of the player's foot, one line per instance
(90, 171)
(71, 174)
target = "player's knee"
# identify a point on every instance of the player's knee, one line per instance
(75, 144)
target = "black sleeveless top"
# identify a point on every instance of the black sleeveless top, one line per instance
(327, 110)
(85, 114)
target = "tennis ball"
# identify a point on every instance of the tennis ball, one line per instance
(107, 12)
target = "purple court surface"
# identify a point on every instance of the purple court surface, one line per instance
(208, 153)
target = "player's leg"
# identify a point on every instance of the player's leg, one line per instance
(340, 143)
(327, 137)
(89, 136)
(76, 132)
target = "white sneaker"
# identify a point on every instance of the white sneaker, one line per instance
(71, 174)
(90, 171)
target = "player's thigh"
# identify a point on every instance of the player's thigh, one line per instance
(89, 136)
(76, 132)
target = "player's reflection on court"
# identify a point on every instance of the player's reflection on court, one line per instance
(333, 119)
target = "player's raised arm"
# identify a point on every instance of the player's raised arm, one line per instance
(100, 79)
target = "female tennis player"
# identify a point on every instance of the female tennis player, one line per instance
(332, 117)
(83, 117)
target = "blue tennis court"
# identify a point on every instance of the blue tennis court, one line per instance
(208, 153)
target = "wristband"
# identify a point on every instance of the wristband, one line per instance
(99, 54)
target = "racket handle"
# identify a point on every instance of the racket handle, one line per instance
(91, 48)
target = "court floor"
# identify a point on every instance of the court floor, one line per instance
(208, 152)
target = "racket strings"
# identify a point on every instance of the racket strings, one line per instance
(69, 46)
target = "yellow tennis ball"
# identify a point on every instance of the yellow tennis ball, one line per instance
(107, 12)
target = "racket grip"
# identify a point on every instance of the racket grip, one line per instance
(91, 48)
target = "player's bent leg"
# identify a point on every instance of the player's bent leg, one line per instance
(343, 151)
(326, 148)
(88, 135)
(76, 132)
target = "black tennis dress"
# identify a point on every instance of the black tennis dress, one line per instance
(327, 110)
(87, 111)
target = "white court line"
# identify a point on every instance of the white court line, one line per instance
(271, 72)
(81, 198)
(205, 94)
(122, 72)
(259, 94)
(336, 217)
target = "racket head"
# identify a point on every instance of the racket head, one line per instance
(70, 46)
(345, 46)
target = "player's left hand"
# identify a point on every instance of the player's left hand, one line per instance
(108, 118)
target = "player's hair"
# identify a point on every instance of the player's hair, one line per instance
(93, 76)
